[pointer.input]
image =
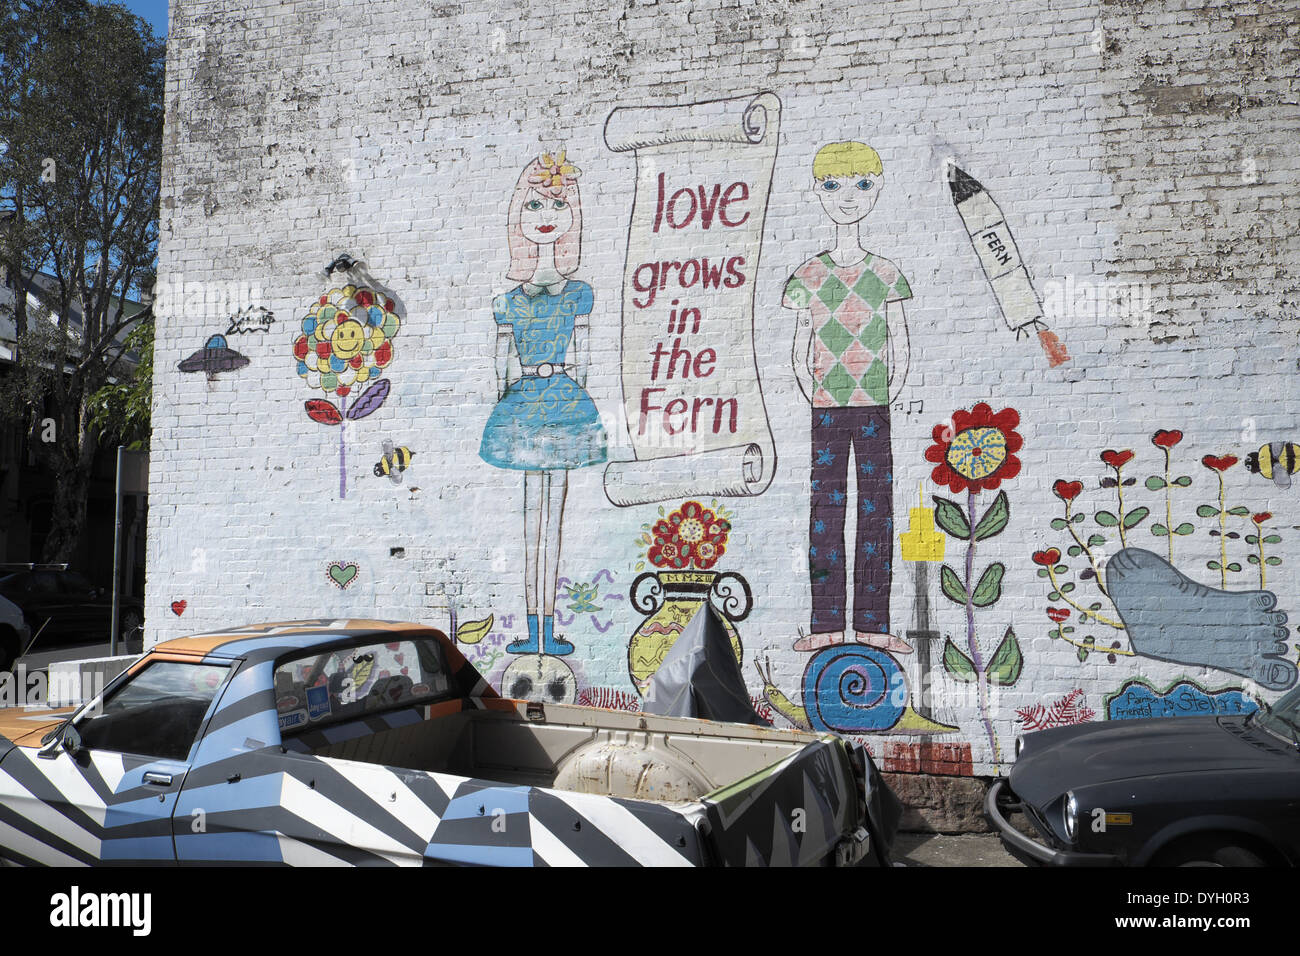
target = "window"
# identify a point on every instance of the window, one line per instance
(353, 681)
(157, 713)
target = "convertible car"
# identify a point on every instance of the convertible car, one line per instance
(368, 742)
(1178, 791)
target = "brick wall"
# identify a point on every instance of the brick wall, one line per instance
(1140, 160)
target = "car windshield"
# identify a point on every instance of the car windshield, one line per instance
(1283, 718)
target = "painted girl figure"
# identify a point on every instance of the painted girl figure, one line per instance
(544, 422)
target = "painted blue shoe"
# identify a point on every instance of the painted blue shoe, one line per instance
(556, 646)
(529, 644)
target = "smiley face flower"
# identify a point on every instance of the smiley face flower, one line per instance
(346, 339)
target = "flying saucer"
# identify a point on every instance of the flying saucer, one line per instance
(215, 356)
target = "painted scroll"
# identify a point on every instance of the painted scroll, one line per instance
(694, 404)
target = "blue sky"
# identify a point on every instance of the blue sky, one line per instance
(155, 11)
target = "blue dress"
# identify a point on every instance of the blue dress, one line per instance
(543, 423)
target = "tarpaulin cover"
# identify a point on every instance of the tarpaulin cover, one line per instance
(700, 676)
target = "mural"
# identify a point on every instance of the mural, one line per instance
(1067, 710)
(178, 607)
(1138, 699)
(695, 410)
(342, 574)
(1164, 614)
(591, 598)
(393, 463)
(974, 452)
(346, 341)
(991, 237)
(1276, 461)
(215, 357)
(685, 544)
(544, 422)
(255, 318)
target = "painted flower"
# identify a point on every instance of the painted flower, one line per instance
(1261, 517)
(1166, 439)
(1219, 464)
(690, 537)
(552, 173)
(1047, 558)
(346, 339)
(976, 450)
(1116, 459)
(1067, 490)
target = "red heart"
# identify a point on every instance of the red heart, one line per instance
(1068, 490)
(1047, 558)
(178, 607)
(1219, 464)
(1166, 439)
(1058, 614)
(1116, 459)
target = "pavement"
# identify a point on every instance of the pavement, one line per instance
(951, 849)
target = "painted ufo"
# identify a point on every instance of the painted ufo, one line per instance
(215, 356)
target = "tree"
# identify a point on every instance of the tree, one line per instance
(81, 117)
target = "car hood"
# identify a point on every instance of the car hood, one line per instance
(1071, 758)
(26, 726)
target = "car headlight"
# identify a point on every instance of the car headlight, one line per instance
(1071, 815)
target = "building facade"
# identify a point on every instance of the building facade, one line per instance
(948, 350)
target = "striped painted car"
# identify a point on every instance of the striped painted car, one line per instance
(333, 742)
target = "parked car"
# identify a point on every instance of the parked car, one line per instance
(14, 633)
(62, 609)
(1177, 791)
(366, 742)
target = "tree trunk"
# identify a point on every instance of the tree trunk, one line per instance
(71, 484)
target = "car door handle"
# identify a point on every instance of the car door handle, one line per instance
(161, 779)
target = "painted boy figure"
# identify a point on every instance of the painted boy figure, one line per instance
(850, 358)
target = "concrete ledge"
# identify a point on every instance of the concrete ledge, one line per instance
(75, 682)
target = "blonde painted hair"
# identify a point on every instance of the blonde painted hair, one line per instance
(835, 160)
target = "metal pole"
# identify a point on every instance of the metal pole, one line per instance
(117, 551)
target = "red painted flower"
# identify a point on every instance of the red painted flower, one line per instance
(1219, 464)
(690, 537)
(977, 450)
(1067, 490)
(1058, 614)
(1166, 439)
(1047, 558)
(1261, 517)
(1116, 459)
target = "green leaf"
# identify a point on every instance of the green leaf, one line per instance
(1252, 539)
(1273, 539)
(1212, 565)
(1159, 530)
(1096, 539)
(952, 586)
(1007, 661)
(1182, 481)
(956, 663)
(1074, 550)
(1206, 511)
(1252, 558)
(1094, 606)
(1053, 596)
(1154, 483)
(1239, 510)
(1067, 587)
(1077, 518)
(1083, 654)
(1068, 630)
(1185, 528)
(1058, 524)
(1105, 519)
(989, 588)
(948, 516)
(1273, 561)
(1136, 517)
(1062, 569)
(1042, 572)
(1234, 566)
(995, 519)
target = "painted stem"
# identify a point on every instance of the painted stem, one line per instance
(1223, 536)
(1093, 647)
(1169, 508)
(1096, 571)
(1083, 611)
(1119, 488)
(971, 641)
(343, 463)
(1259, 543)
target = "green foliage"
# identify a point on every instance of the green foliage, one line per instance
(1135, 517)
(1155, 483)
(1007, 662)
(956, 663)
(989, 588)
(952, 587)
(1182, 481)
(120, 411)
(1105, 519)
(949, 516)
(1207, 511)
(995, 518)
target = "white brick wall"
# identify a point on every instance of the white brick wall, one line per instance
(394, 131)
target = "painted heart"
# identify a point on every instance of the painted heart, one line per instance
(1116, 459)
(342, 573)
(1067, 490)
(1166, 439)
(178, 607)
(1058, 614)
(1047, 558)
(1219, 464)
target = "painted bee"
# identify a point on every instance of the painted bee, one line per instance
(394, 462)
(1277, 460)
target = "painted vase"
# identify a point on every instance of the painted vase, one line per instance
(670, 599)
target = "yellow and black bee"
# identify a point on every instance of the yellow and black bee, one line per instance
(394, 462)
(1277, 460)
